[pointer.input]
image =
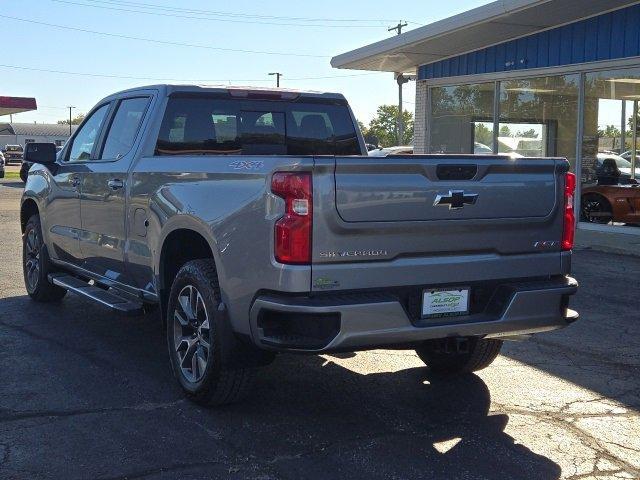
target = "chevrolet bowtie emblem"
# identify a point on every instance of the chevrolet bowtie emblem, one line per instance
(455, 200)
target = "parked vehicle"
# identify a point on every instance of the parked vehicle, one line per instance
(13, 153)
(610, 203)
(610, 164)
(1, 165)
(256, 223)
(399, 150)
(615, 197)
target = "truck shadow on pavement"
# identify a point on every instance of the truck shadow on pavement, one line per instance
(101, 385)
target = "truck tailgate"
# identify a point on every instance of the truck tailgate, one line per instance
(427, 219)
(406, 189)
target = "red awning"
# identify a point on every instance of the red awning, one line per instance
(16, 105)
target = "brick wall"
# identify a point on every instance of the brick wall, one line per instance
(420, 119)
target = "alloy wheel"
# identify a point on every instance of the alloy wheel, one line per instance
(191, 334)
(595, 212)
(32, 259)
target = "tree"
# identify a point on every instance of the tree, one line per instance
(505, 131)
(77, 120)
(531, 133)
(483, 134)
(610, 131)
(362, 127)
(384, 126)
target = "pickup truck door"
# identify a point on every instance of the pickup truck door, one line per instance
(103, 193)
(61, 218)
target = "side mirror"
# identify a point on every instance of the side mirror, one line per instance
(44, 153)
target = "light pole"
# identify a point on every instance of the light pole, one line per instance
(278, 75)
(401, 79)
(70, 107)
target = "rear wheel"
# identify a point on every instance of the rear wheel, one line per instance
(195, 335)
(36, 265)
(595, 209)
(459, 355)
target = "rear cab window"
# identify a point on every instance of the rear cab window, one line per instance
(219, 125)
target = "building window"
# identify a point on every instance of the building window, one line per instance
(610, 168)
(539, 117)
(29, 140)
(462, 118)
(60, 143)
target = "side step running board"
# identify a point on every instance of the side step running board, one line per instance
(121, 304)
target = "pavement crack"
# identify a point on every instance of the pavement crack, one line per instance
(565, 422)
(12, 415)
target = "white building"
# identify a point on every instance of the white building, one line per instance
(22, 133)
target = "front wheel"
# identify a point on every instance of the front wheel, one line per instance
(459, 355)
(36, 265)
(195, 336)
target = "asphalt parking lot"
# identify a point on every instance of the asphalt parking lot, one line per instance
(87, 395)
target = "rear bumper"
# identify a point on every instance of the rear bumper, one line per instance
(368, 320)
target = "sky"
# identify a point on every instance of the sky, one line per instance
(34, 49)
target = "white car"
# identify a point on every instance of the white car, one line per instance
(383, 152)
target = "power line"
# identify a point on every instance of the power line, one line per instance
(162, 42)
(129, 77)
(225, 20)
(234, 14)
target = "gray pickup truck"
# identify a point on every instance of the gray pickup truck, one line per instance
(256, 223)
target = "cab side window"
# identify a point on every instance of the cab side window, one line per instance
(124, 127)
(86, 137)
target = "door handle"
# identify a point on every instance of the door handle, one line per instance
(115, 184)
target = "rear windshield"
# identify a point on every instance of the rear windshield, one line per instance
(14, 148)
(197, 125)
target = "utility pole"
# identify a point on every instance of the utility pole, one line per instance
(401, 80)
(11, 118)
(70, 107)
(278, 75)
(398, 27)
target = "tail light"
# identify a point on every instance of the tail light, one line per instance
(569, 213)
(293, 230)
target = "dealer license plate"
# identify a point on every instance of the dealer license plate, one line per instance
(445, 302)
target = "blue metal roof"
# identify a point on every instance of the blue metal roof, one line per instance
(610, 36)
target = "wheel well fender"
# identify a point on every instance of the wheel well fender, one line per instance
(179, 245)
(28, 208)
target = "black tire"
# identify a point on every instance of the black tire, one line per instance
(593, 203)
(36, 265)
(224, 379)
(442, 356)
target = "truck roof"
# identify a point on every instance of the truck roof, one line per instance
(173, 88)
